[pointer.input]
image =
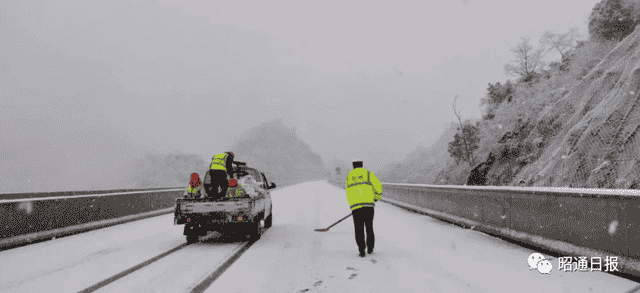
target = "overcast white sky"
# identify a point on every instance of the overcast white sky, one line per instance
(380, 76)
(365, 79)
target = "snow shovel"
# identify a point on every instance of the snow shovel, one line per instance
(326, 229)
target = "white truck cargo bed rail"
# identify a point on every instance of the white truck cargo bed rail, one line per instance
(191, 207)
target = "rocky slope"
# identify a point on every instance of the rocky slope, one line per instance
(587, 139)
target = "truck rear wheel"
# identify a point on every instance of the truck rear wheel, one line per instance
(269, 220)
(188, 230)
(194, 229)
(192, 238)
(254, 230)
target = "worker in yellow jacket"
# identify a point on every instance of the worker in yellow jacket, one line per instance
(363, 190)
(194, 190)
(235, 189)
(220, 171)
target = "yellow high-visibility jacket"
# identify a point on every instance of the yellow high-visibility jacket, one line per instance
(194, 192)
(236, 191)
(363, 188)
(220, 162)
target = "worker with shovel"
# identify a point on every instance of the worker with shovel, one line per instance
(363, 190)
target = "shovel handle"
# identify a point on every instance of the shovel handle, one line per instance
(349, 215)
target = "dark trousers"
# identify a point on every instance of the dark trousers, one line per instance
(218, 179)
(363, 218)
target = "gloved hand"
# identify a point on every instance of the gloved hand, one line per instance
(375, 200)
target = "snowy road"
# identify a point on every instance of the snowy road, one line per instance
(414, 253)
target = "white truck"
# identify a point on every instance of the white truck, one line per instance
(227, 215)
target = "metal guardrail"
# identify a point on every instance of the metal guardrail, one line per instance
(2, 201)
(34, 216)
(43, 194)
(31, 215)
(600, 219)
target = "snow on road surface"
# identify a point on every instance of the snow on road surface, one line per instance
(70, 264)
(413, 253)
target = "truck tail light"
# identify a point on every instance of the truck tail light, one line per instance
(188, 220)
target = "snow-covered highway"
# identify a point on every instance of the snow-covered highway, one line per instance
(413, 253)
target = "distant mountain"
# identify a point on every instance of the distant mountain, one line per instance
(280, 153)
(164, 170)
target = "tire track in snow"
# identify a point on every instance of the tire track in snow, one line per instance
(131, 270)
(222, 267)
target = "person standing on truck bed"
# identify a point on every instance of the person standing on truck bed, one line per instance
(363, 190)
(194, 190)
(221, 166)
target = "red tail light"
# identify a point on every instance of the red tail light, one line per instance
(188, 220)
